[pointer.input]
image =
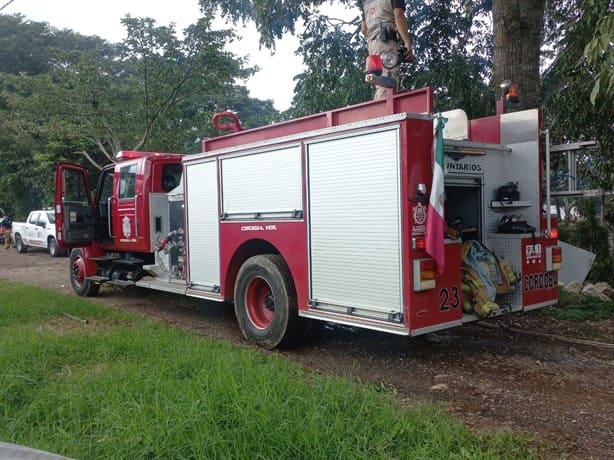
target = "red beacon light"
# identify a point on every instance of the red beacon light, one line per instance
(374, 65)
(510, 97)
(373, 73)
(227, 121)
(512, 94)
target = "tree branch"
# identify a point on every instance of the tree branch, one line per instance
(90, 159)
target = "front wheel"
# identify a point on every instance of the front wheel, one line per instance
(19, 244)
(52, 245)
(80, 285)
(266, 304)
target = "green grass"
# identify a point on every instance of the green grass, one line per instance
(582, 307)
(124, 387)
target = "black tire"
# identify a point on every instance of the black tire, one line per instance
(80, 285)
(53, 248)
(19, 244)
(265, 303)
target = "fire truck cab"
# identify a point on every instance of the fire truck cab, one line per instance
(117, 230)
(318, 218)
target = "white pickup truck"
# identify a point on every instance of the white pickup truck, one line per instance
(37, 231)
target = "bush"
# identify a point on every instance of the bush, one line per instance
(582, 307)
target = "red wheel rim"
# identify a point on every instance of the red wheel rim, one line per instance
(78, 271)
(260, 303)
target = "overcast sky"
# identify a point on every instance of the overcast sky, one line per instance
(102, 18)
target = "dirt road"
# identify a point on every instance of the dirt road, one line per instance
(557, 392)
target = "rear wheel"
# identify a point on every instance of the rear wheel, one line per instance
(265, 302)
(52, 245)
(80, 285)
(19, 244)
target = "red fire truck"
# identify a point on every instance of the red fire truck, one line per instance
(317, 218)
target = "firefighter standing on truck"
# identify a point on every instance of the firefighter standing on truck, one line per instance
(385, 26)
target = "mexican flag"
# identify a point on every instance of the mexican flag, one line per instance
(435, 222)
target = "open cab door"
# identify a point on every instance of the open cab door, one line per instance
(74, 214)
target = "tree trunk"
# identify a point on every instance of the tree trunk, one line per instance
(518, 29)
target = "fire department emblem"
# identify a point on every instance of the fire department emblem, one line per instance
(126, 227)
(419, 213)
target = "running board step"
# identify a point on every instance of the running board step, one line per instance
(128, 261)
(122, 283)
(102, 259)
(105, 279)
(97, 279)
(155, 271)
(110, 260)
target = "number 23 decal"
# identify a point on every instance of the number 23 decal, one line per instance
(449, 298)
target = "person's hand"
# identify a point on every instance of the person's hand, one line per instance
(408, 52)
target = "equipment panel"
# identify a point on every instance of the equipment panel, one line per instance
(355, 224)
